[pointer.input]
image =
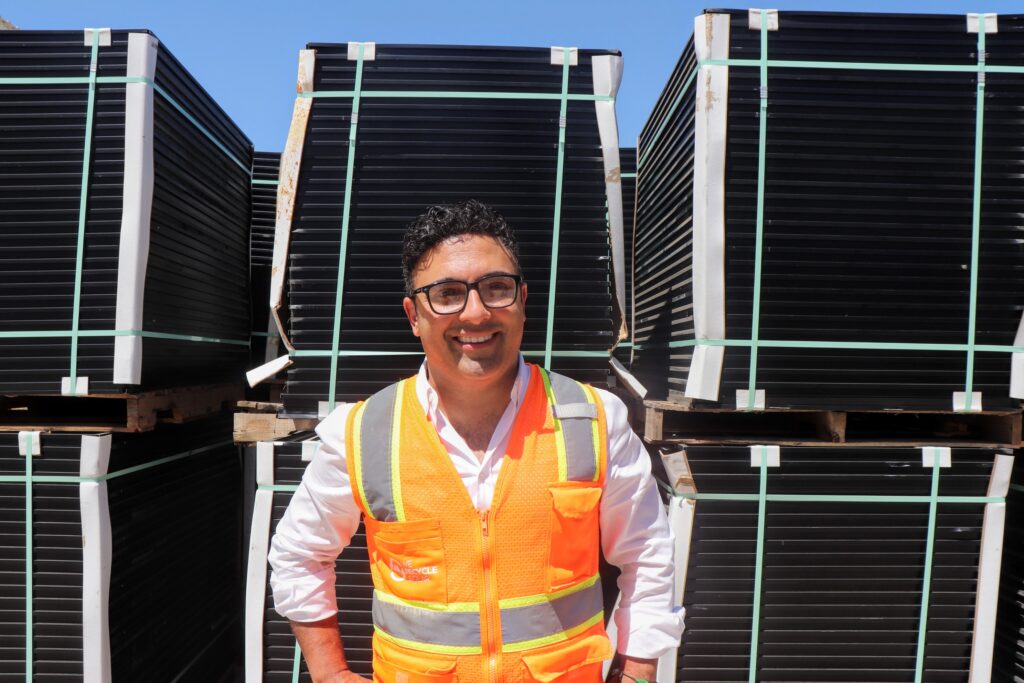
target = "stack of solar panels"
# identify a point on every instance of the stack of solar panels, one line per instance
(133, 551)
(861, 270)
(847, 564)
(478, 122)
(1008, 664)
(124, 205)
(270, 649)
(261, 250)
(628, 157)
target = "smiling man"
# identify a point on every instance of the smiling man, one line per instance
(487, 487)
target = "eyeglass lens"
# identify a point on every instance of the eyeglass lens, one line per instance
(496, 291)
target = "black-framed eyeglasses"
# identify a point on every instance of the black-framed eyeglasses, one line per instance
(450, 296)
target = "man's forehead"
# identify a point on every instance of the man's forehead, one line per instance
(452, 249)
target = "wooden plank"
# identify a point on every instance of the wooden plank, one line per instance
(653, 418)
(678, 469)
(256, 427)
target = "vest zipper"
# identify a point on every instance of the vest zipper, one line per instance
(490, 604)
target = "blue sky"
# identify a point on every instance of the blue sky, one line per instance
(245, 54)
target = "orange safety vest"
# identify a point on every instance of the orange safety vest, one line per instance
(512, 594)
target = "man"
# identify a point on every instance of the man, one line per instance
(485, 485)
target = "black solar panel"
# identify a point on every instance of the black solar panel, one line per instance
(261, 249)
(1008, 663)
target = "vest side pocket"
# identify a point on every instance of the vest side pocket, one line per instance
(575, 661)
(575, 536)
(407, 559)
(395, 664)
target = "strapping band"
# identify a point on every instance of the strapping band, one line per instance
(979, 126)
(762, 138)
(762, 499)
(556, 224)
(458, 95)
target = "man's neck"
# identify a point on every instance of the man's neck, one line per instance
(474, 411)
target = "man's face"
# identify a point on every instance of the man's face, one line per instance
(479, 344)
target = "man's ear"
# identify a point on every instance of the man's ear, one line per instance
(410, 312)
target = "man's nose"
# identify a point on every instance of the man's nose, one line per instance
(475, 309)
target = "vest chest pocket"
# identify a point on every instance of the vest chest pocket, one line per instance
(575, 535)
(408, 559)
(395, 664)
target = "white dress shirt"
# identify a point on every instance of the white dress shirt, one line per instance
(323, 516)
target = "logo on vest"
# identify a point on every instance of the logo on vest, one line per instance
(406, 572)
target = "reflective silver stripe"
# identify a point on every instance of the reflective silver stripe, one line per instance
(427, 626)
(581, 460)
(462, 629)
(375, 452)
(519, 624)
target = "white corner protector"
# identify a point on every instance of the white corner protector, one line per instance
(136, 208)
(81, 386)
(256, 583)
(705, 372)
(267, 370)
(558, 55)
(309, 450)
(606, 74)
(629, 381)
(987, 596)
(369, 51)
(960, 401)
(743, 399)
(999, 481)
(754, 19)
(265, 463)
(991, 26)
(104, 36)
(1017, 363)
(943, 455)
(97, 546)
(323, 409)
(24, 438)
(772, 453)
(94, 460)
(304, 79)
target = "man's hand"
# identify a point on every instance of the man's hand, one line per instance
(325, 656)
(633, 668)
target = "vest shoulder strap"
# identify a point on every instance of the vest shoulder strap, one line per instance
(575, 409)
(374, 445)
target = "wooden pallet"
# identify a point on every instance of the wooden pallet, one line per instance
(259, 421)
(679, 423)
(140, 412)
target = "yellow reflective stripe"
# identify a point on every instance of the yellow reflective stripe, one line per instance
(396, 477)
(554, 637)
(563, 467)
(595, 430)
(427, 647)
(433, 606)
(527, 600)
(357, 457)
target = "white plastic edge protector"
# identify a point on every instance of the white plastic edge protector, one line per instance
(991, 22)
(607, 76)
(37, 446)
(81, 386)
(711, 41)
(267, 370)
(104, 36)
(989, 566)
(754, 19)
(932, 454)
(960, 401)
(369, 51)
(96, 558)
(287, 186)
(773, 453)
(743, 399)
(323, 409)
(631, 383)
(256, 572)
(558, 55)
(309, 450)
(137, 208)
(1017, 364)
(681, 512)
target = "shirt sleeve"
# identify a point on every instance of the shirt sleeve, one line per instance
(319, 523)
(635, 536)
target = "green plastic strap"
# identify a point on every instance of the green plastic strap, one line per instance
(459, 95)
(346, 216)
(762, 140)
(557, 222)
(762, 499)
(979, 125)
(926, 583)
(837, 498)
(283, 488)
(297, 661)
(59, 334)
(29, 545)
(671, 112)
(83, 205)
(260, 181)
(865, 66)
(627, 175)
(877, 346)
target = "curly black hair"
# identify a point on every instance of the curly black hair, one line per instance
(439, 223)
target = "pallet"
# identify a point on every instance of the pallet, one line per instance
(130, 413)
(666, 422)
(259, 421)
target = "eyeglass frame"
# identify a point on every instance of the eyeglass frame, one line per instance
(470, 286)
